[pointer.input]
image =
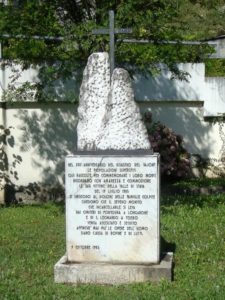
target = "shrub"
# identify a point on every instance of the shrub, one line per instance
(175, 160)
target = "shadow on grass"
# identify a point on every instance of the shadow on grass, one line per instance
(194, 186)
(202, 182)
(59, 206)
(194, 192)
(166, 246)
(192, 200)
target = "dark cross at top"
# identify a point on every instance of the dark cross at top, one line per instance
(111, 31)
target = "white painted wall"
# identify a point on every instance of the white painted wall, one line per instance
(57, 90)
(158, 88)
(211, 90)
(200, 136)
(214, 96)
(161, 87)
(45, 133)
(7, 73)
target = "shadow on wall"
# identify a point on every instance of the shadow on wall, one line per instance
(8, 170)
(62, 88)
(44, 135)
(46, 82)
(186, 122)
(44, 132)
(169, 102)
(47, 131)
(61, 81)
(162, 87)
(48, 135)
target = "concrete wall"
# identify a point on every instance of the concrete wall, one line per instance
(196, 87)
(44, 133)
(210, 90)
(59, 89)
(161, 87)
(214, 96)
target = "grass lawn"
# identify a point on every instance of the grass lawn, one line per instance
(32, 239)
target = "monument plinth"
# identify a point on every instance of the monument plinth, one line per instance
(112, 188)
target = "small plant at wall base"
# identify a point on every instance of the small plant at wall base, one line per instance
(175, 160)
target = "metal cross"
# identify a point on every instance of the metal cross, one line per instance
(112, 31)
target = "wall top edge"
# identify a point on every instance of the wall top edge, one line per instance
(33, 104)
(173, 103)
(136, 152)
(190, 103)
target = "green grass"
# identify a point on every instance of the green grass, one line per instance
(32, 239)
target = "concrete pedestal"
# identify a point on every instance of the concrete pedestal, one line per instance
(113, 274)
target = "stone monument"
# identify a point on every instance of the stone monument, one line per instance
(112, 188)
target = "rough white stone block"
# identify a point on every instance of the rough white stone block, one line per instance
(109, 118)
(93, 100)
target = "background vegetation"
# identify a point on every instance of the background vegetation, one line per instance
(159, 21)
(215, 67)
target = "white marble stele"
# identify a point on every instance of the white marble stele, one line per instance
(112, 208)
(113, 219)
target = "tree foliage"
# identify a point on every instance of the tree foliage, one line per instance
(201, 19)
(155, 20)
(215, 67)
